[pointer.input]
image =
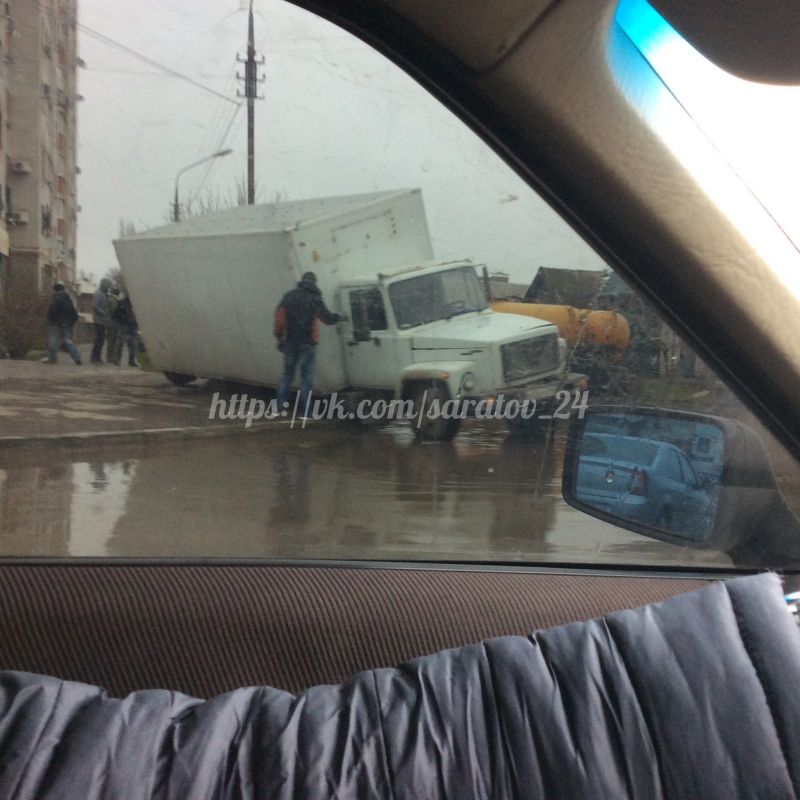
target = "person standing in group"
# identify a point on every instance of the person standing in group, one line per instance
(61, 318)
(112, 329)
(128, 331)
(297, 332)
(100, 319)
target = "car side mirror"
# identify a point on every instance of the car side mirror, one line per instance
(694, 480)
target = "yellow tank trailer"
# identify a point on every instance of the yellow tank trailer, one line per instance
(575, 325)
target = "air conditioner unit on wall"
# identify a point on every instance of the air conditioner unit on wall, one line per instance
(21, 167)
(17, 217)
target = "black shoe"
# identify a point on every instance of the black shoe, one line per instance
(78, 363)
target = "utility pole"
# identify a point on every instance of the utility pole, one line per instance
(251, 82)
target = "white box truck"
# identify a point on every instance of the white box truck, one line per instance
(206, 289)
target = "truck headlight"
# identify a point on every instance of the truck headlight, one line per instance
(562, 350)
(469, 381)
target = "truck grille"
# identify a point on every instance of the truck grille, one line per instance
(530, 357)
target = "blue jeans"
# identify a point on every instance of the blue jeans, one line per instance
(99, 341)
(295, 355)
(61, 331)
(127, 333)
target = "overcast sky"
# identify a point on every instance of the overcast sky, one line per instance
(337, 118)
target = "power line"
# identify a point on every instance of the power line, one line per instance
(216, 117)
(212, 164)
(150, 62)
(213, 133)
(216, 124)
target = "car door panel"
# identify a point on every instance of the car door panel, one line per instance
(204, 629)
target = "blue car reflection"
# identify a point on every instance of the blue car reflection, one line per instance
(648, 481)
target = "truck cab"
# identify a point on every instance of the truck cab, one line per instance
(426, 331)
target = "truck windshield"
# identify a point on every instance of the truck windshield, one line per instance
(435, 296)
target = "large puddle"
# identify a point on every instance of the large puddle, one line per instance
(336, 493)
(319, 493)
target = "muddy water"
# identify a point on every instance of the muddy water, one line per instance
(320, 493)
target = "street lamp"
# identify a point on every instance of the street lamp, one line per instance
(176, 207)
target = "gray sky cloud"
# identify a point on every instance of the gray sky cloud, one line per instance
(337, 118)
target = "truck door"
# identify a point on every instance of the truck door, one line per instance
(369, 344)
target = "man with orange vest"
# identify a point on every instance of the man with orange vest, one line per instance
(297, 331)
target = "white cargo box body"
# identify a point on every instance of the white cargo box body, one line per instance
(205, 290)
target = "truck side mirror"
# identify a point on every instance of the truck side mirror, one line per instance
(623, 465)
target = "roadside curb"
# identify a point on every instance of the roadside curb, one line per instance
(136, 436)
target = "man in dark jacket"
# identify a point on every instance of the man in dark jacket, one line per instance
(297, 332)
(126, 320)
(61, 317)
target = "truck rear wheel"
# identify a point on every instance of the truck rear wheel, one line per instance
(528, 428)
(437, 429)
(179, 379)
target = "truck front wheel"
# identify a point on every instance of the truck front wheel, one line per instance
(179, 379)
(434, 428)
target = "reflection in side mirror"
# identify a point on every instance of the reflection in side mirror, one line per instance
(647, 469)
(689, 479)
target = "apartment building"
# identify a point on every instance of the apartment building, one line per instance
(39, 130)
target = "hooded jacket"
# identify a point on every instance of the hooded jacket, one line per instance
(298, 313)
(62, 310)
(695, 697)
(123, 314)
(101, 309)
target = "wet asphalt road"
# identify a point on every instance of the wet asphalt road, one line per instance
(329, 491)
